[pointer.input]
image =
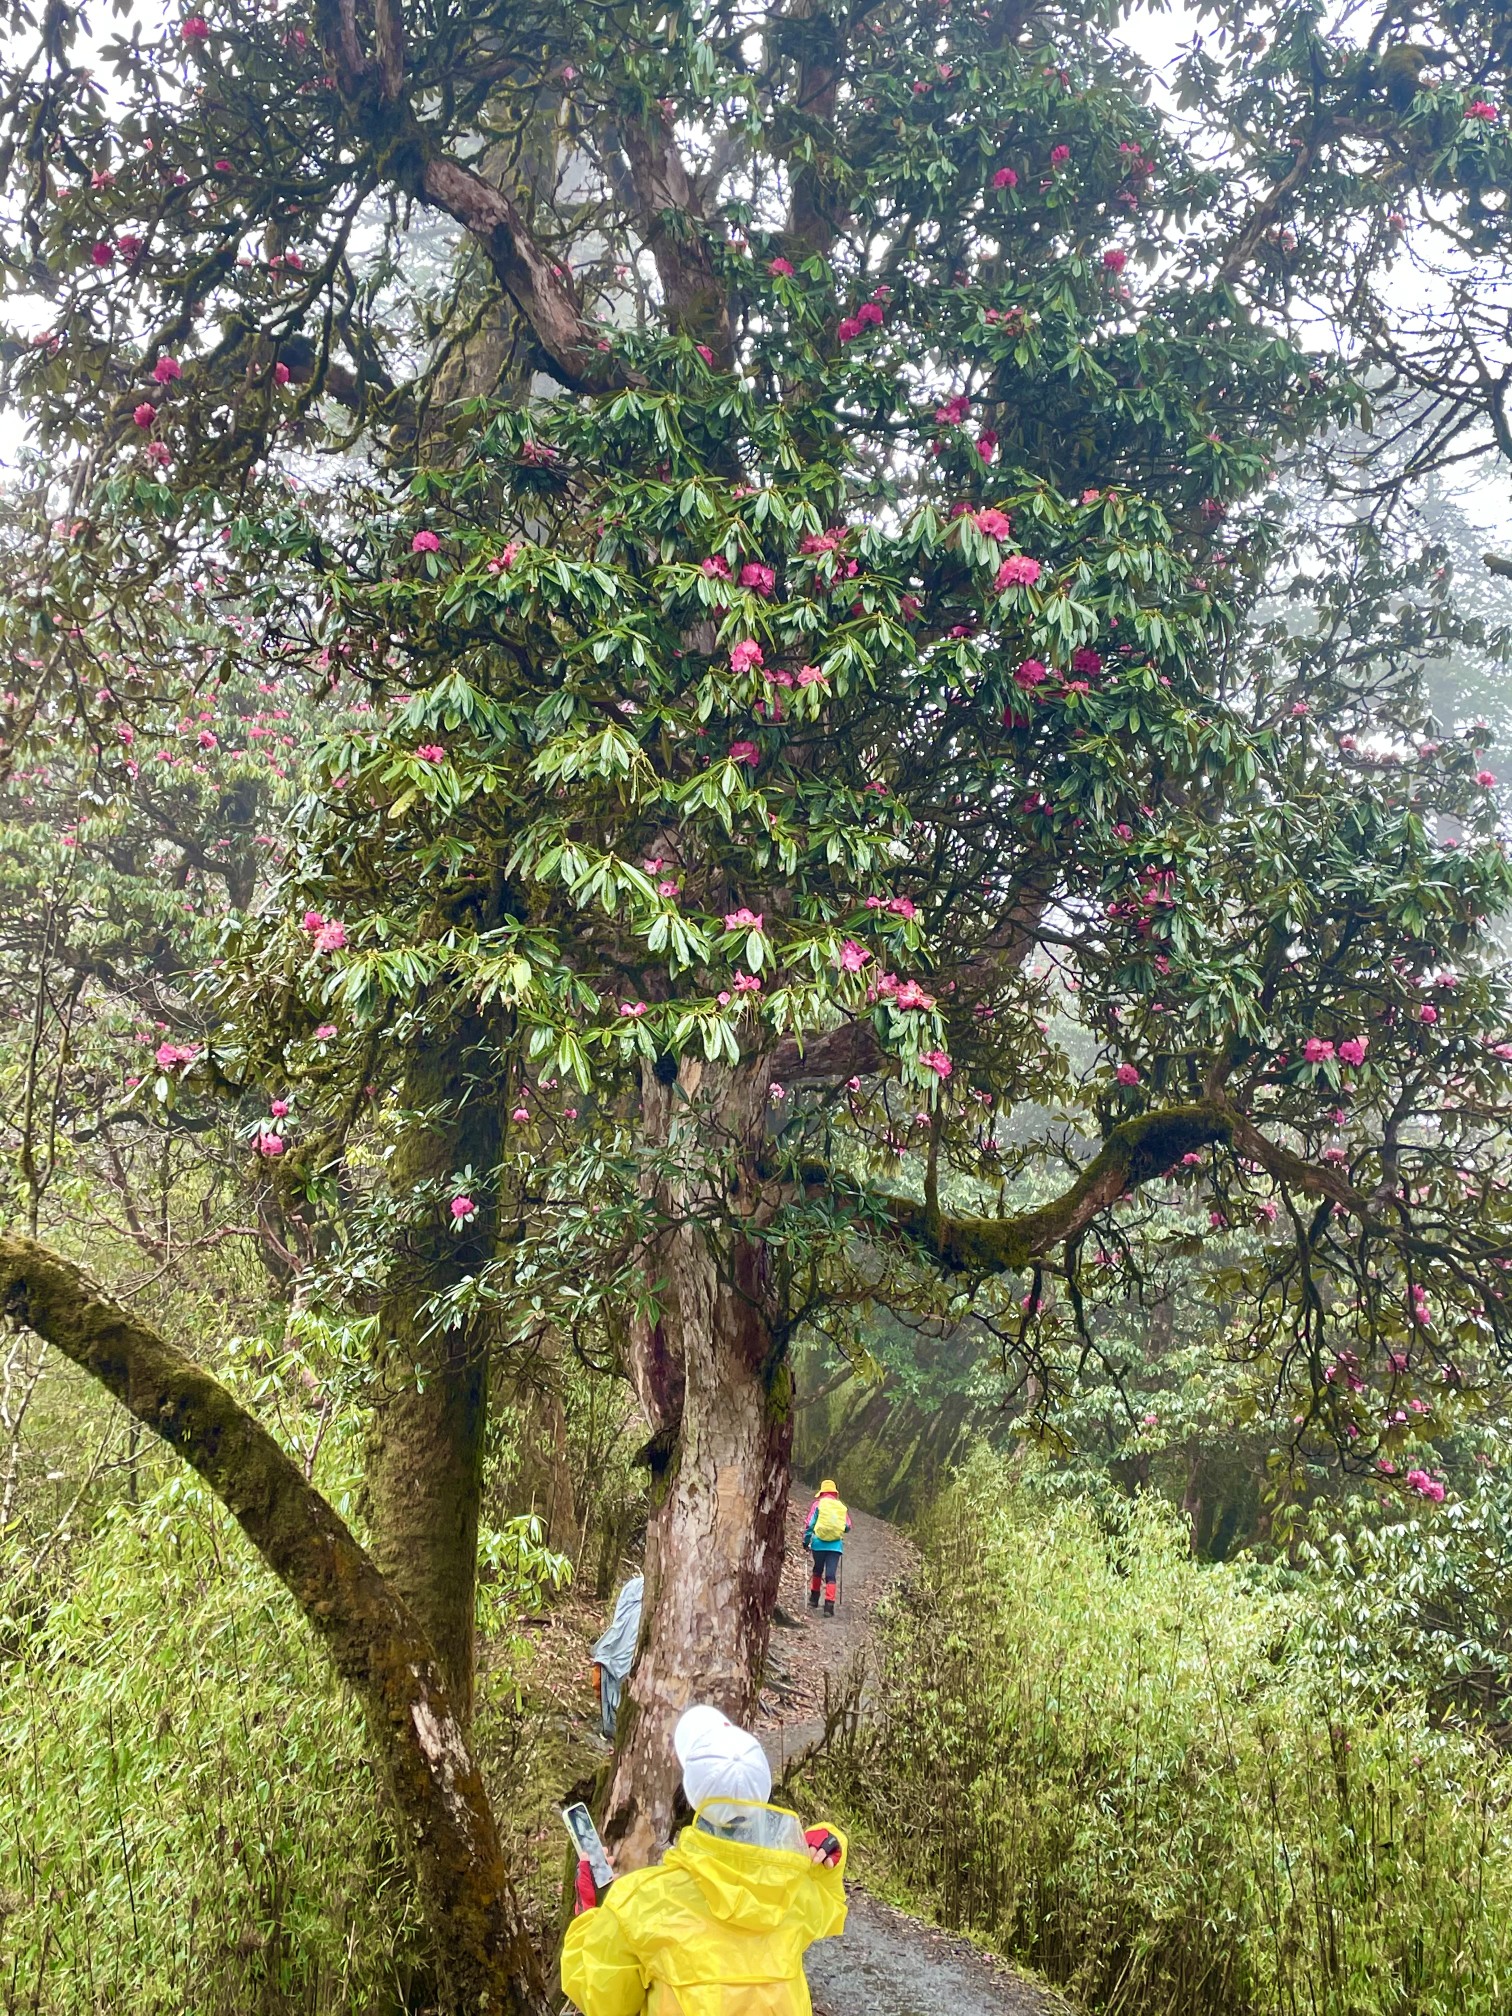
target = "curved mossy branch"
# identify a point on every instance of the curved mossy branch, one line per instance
(372, 1639)
(1135, 1151)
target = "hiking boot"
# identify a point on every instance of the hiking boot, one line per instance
(829, 1608)
(813, 1599)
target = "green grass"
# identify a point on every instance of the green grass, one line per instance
(1149, 1779)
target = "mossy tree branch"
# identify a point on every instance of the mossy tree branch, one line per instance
(372, 1638)
(1135, 1151)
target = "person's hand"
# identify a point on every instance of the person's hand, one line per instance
(823, 1846)
(587, 1896)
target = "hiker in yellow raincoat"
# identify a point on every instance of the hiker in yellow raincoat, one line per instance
(720, 1926)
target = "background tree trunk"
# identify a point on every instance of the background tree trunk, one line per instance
(489, 1967)
(424, 1474)
(713, 1375)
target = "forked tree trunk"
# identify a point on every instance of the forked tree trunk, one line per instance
(488, 1964)
(424, 1474)
(713, 1374)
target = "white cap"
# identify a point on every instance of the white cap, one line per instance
(719, 1760)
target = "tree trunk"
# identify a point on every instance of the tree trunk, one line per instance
(424, 1475)
(713, 1375)
(488, 1964)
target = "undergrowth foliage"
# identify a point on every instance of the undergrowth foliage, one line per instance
(172, 1837)
(1163, 1785)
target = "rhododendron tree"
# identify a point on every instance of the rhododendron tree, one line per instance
(802, 697)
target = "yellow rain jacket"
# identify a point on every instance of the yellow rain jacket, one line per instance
(718, 1928)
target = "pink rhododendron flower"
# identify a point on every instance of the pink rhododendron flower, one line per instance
(1479, 109)
(742, 919)
(431, 752)
(1114, 259)
(1005, 178)
(1352, 1049)
(195, 29)
(101, 253)
(849, 329)
(853, 956)
(271, 1145)
(747, 983)
(520, 1115)
(1017, 571)
(331, 937)
(810, 675)
(278, 1108)
(780, 268)
(1424, 1485)
(166, 370)
(755, 575)
(632, 1008)
(502, 562)
(1485, 779)
(869, 315)
(1428, 1013)
(207, 739)
(744, 752)
(425, 542)
(1267, 1211)
(281, 373)
(1059, 156)
(938, 1062)
(745, 656)
(145, 414)
(992, 523)
(1030, 674)
(716, 567)
(462, 1207)
(1084, 659)
(312, 920)
(953, 411)
(325, 1032)
(910, 995)
(1127, 1074)
(1316, 1051)
(168, 1054)
(666, 888)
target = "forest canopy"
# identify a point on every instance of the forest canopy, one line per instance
(683, 682)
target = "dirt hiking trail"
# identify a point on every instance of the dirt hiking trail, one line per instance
(885, 1963)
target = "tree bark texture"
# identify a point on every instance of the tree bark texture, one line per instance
(424, 1475)
(489, 1965)
(710, 1363)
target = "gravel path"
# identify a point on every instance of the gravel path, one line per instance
(885, 1963)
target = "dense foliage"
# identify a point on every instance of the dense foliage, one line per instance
(678, 677)
(1173, 1788)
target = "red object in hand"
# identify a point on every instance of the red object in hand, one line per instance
(821, 1837)
(587, 1896)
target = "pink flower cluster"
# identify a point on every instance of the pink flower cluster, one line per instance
(867, 316)
(167, 1055)
(1424, 1485)
(1017, 571)
(327, 935)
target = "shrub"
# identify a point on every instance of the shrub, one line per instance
(1151, 1779)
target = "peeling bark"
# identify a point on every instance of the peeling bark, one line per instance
(714, 1376)
(375, 1643)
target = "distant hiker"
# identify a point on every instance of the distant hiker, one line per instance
(614, 1654)
(824, 1536)
(720, 1926)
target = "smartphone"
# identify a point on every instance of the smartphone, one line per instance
(580, 1826)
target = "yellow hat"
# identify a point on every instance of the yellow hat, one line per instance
(828, 1488)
